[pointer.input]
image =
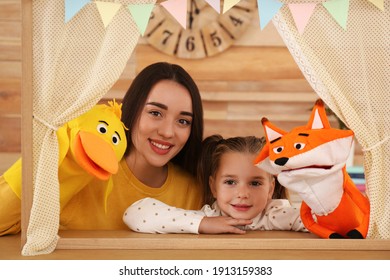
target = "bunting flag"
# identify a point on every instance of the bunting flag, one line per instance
(228, 4)
(379, 3)
(107, 11)
(141, 14)
(267, 9)
(339, 11)
(72, 7)
(178, 9)
(301, 14)
(215, 4)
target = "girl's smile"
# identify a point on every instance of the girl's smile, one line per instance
(241, 207)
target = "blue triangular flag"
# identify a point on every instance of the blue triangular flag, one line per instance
(267, 9)
(72, 7)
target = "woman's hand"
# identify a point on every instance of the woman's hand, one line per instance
(222, 224)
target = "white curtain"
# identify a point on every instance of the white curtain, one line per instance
(74, 65)
(350, 70)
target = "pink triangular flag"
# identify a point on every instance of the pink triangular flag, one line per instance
(301, 14)
(178, 9)
(215, 4)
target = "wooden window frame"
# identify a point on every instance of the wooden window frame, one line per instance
(250, 242)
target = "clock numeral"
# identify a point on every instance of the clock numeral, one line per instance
(217, 41)
(168, 34)
(208, 35)
(235, 20)
(165, 36)
(156, 19)
(190, 44)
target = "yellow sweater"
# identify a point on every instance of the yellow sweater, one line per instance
(86, 211)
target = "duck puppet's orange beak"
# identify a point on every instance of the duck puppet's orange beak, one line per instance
(95, 155)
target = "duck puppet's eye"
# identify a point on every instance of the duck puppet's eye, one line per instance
(102, 128)
(115, 139)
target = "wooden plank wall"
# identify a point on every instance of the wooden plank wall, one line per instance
(254, 78)
(10, 75)
(237, 92)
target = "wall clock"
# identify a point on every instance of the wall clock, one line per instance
(207, 34)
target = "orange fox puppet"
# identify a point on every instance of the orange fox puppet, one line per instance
(310, 160)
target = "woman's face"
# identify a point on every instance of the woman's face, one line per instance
(241, 189)
(164, 124)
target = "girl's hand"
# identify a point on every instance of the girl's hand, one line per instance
(222, 224)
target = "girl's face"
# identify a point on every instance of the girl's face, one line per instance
(241, 189)
(164, 124)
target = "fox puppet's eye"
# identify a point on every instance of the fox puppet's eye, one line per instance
(278, 150)
(299, 146)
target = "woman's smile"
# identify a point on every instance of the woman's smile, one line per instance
(160, 147)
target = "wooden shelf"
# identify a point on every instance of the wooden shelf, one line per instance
(258, 245)
(253, 240)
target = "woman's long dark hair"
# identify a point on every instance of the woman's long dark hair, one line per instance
(137, 95)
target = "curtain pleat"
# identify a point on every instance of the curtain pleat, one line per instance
(74, 64)
(350, 70)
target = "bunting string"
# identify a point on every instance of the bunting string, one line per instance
(301, 11)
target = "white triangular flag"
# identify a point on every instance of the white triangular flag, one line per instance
(215, 4)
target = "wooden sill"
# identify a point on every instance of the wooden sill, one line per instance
(127, 245)
(255, 240)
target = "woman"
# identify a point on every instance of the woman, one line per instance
(163, 113)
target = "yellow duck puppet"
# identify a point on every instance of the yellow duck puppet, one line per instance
(89, 146)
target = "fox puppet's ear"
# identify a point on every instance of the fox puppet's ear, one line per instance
(271, 131)
(318, 118)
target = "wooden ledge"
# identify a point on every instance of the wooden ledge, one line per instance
(126, 245)
(255, 240)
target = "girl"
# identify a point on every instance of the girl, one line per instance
(163, 112)
(239, 196)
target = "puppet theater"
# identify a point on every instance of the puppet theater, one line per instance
(340, 46)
